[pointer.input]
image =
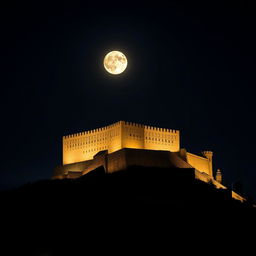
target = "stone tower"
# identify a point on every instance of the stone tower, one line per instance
(218, 176)
(208, 155)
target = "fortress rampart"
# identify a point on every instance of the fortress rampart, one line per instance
(84, 145)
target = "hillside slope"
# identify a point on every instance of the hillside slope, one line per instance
(57, 212)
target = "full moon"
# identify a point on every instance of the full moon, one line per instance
(115, 62)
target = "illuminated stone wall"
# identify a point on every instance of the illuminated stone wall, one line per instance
(98, 161)
(117, 161)
(202, 164)
(147, 137)
(136, 157)
(162, 139)
(83, 146)
(63, 170)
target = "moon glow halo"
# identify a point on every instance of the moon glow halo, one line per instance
(115, 62)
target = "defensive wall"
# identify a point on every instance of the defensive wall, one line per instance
(84, 145)
(123, 158)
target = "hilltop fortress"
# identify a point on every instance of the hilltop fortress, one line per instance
(124, 144)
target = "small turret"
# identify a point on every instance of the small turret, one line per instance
(218, 176)
(208, 154)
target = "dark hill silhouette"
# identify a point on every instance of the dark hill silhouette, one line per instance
(53, 211)
(134, 187)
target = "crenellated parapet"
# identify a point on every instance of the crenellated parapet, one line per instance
(131, 124)
(152, 128)
(91, 132)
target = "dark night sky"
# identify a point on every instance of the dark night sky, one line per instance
(191, 67)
